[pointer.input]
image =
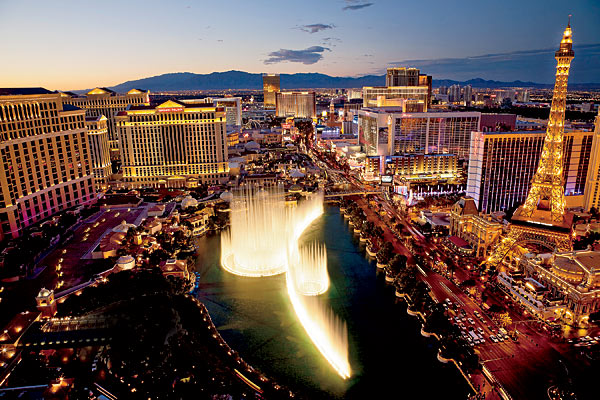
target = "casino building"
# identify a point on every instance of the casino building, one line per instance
(45, 164)
(103, 101)
(97, 128)
(560, 286)
(174, 144)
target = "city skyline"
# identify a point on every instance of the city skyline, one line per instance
(340, 38)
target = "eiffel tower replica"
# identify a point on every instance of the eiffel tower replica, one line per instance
(542, 219)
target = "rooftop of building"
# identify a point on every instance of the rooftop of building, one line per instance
(170, 105)
(70, 107)
(459, 242)
(23, 91)
(398, 110)
(465, 206)
(96, 118)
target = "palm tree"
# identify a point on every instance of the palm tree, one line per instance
(504, 319)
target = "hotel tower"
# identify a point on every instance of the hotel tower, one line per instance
(45, 158)
(174, 144)
(103, 101)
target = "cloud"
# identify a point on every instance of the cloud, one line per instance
(528, 65)
(356, 5)
(307, 56)
(314, 28)
(331, 41)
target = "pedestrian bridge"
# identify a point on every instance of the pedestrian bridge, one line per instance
(68, 332)
(351, 193)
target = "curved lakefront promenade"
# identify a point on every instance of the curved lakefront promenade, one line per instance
(257, 319)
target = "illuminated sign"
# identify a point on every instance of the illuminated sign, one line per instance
(286, 126)
(170, 109)
(387, 179)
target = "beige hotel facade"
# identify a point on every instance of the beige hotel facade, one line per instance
(103, 101)
(174, 144)
(45, 164)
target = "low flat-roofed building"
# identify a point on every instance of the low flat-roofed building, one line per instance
(413, 167)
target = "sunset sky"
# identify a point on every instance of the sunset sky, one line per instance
(81, 44)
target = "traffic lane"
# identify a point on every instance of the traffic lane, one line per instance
(442, 289)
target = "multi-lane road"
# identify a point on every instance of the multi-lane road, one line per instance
(522, 369)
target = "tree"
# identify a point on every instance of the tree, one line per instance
(385, 254)
(398, 263)
(504, 319)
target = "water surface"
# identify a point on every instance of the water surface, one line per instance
(388, 355)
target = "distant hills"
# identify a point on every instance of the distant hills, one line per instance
(246, 80)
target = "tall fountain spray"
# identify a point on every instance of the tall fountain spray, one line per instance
(256, 242)
(308, 269)
(326, 330)
(263, 240)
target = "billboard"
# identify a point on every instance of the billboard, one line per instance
(387, 179)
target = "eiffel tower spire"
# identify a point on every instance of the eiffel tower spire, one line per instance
(547, 186)
(542, 219)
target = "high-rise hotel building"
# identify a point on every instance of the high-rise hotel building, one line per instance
(502, 164)
(270, 89)
(390, 131)
(97, 128)
(174, 144)
(45, 158)
(296, 104)
(400, 83)
(103, 101)
(592, 186)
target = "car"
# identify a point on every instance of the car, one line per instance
(462, 318)
(476, 313)
(500, 338)
(480, 330)
(471, 321)
(493, 339)
(457, 319)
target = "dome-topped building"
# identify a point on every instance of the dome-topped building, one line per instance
(125, 263)
(123, 227)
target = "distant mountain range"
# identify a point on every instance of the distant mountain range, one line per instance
(246, 80)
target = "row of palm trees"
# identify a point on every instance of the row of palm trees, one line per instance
(415, 291)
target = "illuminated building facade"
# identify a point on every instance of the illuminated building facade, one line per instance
(390, 131)
(417, 95)
(173, 144)
(45, 158)
(296, 104)
(270, 89)
(592, 185)
(412, 167)
(97, 128)
(502, 165)
(542, 221)
(233, 109)
(480, 231)
(572, 285)
(103, 101)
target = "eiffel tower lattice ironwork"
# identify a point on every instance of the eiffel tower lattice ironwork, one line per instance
(542, 218)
